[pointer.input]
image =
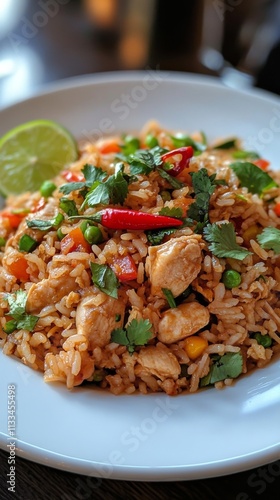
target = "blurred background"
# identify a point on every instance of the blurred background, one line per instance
(42, 41)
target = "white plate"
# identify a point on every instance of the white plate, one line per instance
(153, 437)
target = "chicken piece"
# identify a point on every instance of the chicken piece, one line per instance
(98, 315)
(159, 361)
(182, 321)
(48, 291)
(173, 265)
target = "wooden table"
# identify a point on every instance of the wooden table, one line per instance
(38, 482)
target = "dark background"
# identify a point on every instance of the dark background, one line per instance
(47, 40)
(42, 41)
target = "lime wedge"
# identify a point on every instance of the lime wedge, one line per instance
(32, 153)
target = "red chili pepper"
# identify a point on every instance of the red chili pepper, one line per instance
(117, 218)
(179, 165)
(72, 176)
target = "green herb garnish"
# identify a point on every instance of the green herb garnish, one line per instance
(46, 225)
(105, 279)
(228, 144)
(172, 212)
(222, 239)
(137, 333)
(21, 320)
(156, 236)
(169, 297)
(27, 243)
(227, 366)
(269, 239)
(252, 177)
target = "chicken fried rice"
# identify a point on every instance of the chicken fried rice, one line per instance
(150, 264)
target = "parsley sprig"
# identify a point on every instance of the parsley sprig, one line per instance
(21, 320)
(137, 333)
(222, 239)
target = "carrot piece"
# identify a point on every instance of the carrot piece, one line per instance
(14, 219)
(74, 241)
(125, 268)
(72, 176)
(109, 147)
(277, 209)
(19, 269)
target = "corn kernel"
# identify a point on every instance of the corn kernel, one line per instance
(194, 346)
(251, 232)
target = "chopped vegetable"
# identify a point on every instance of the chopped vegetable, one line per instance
(262, 163)
(130, 146)
(178, 166)
(137, 333)
(180, 141)
(251, 232)
(18, 268)
(2, 242)
(151, 141)
(74, 241)
(45, 225)
(169, 297)
(172, 212)
(124, 268)
(276, 209)
(13, 218)
(269, 239)
(72, 176)
(93, 235)
(109, 147)
(27, 243)
(227, 366)
(68, 206)
(231, 278)
(105, 279)
(195, 346)
(175, 183)
(222, 239)
(228, 144)
(118, 218)
(203, 186)
(47, 188)
(21, 320)
(252, 177)
(264, 340)
(245, 155)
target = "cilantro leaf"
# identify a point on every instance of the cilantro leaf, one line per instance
(180, 141)
(227, 366)
(223, 241)
(269, 239)
(228, 144)
(203, 186)
(252, 177)
(172, 180)
(155, 236)
(68, 206)
(91, 175)
(114, 189)
(105, 279)
(21, 320)
(172, 212)
(241, 154)
(137, 333)
(46, 225)
(142, 162)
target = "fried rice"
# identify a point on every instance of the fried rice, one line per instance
(150, 309)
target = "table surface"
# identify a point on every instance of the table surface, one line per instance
(58, 59)
(38, 482)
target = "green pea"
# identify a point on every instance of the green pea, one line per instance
(264, 340)
(93, 235)
(83, 226)
(151, 141)
(231, 279)
(47, 188)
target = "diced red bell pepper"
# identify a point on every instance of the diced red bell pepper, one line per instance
(13, 218)
(262, 163)
(125, 268)
(72, 176)
(74, 241)
(109, 147)
(19, 269)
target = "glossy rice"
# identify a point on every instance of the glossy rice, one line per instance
(71, 341)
